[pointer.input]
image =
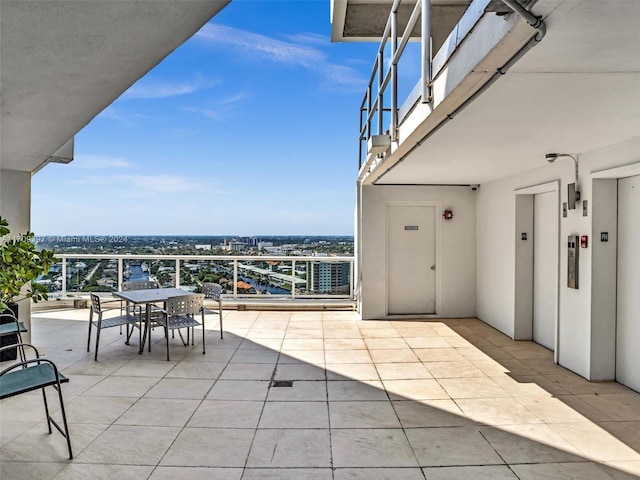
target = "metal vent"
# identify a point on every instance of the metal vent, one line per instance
(282, 383)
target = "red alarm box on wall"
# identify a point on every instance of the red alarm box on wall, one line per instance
(584, 241)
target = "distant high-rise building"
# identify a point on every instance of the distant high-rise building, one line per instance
(237, 246)
(249, 240)
(328, 277)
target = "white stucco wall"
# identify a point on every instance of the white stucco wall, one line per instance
(15, 206)
(15, 199)
(455, 295)
(495, 213)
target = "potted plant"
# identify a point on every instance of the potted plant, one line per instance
(20, 264)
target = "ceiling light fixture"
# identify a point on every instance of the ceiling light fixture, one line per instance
(573, 191)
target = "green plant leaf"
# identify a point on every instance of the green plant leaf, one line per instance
(21, 263)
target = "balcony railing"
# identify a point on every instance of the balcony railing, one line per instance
(382, 110)
(379, 108)
(245, 276)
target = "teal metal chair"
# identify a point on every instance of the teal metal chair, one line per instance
(10, 327)
(33, 374)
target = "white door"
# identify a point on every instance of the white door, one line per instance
(411, 254)
(545, 268)
(628, 322)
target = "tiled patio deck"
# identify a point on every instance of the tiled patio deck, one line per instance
(451, 399)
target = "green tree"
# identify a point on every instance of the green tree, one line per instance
(21, 263)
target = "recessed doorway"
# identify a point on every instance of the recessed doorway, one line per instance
(628, 286)
(411, 254)
(545, 268)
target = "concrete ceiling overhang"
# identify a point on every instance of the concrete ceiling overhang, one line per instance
(365, 20)
(577, 91)
(63, 61)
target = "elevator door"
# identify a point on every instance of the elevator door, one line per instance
(545, 268)
(628, 318)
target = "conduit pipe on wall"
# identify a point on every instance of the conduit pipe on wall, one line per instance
(536, 23)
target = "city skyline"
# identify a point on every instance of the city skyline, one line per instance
(247, 127)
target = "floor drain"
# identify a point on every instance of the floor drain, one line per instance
(282, 383)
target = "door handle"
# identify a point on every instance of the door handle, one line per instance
(433, 267)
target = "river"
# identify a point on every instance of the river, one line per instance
(137, 275)
(262, 288)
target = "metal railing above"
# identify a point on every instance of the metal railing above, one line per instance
(380, 101)
(381, 110)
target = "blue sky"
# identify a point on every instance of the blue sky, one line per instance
(249, 128)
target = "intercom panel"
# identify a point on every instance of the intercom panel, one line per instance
(573, 248)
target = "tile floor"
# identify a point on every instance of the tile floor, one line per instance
(402, 400)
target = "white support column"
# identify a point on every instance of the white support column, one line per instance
(63, 293)
(351, 282)
(15, 207)
(15, 199)
(293, 279)
(120, 273)
(235, 279)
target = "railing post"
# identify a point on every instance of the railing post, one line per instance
(235, 279)
(293, 279)
(351, 281)
(394, 76)
(64, 277)
(120, 273)
(369, 105)
(177, 273)
(425, 43)
(380, 90)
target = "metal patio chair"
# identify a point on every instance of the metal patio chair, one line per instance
(141, 285)
(125, 319)
(10, 327)
(213, 291)
(179, 312)
(33, 374)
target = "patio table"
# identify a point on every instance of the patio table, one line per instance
(148, 297)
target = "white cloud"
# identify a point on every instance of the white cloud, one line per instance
(161, 183)
(291, 53)
(207, 112)
(127, 119)
(159, 89)
(225, 105)
(238, 97)
(309, 38)
(144, 185)
(100, 162)
(273, 49)
(345, 77)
